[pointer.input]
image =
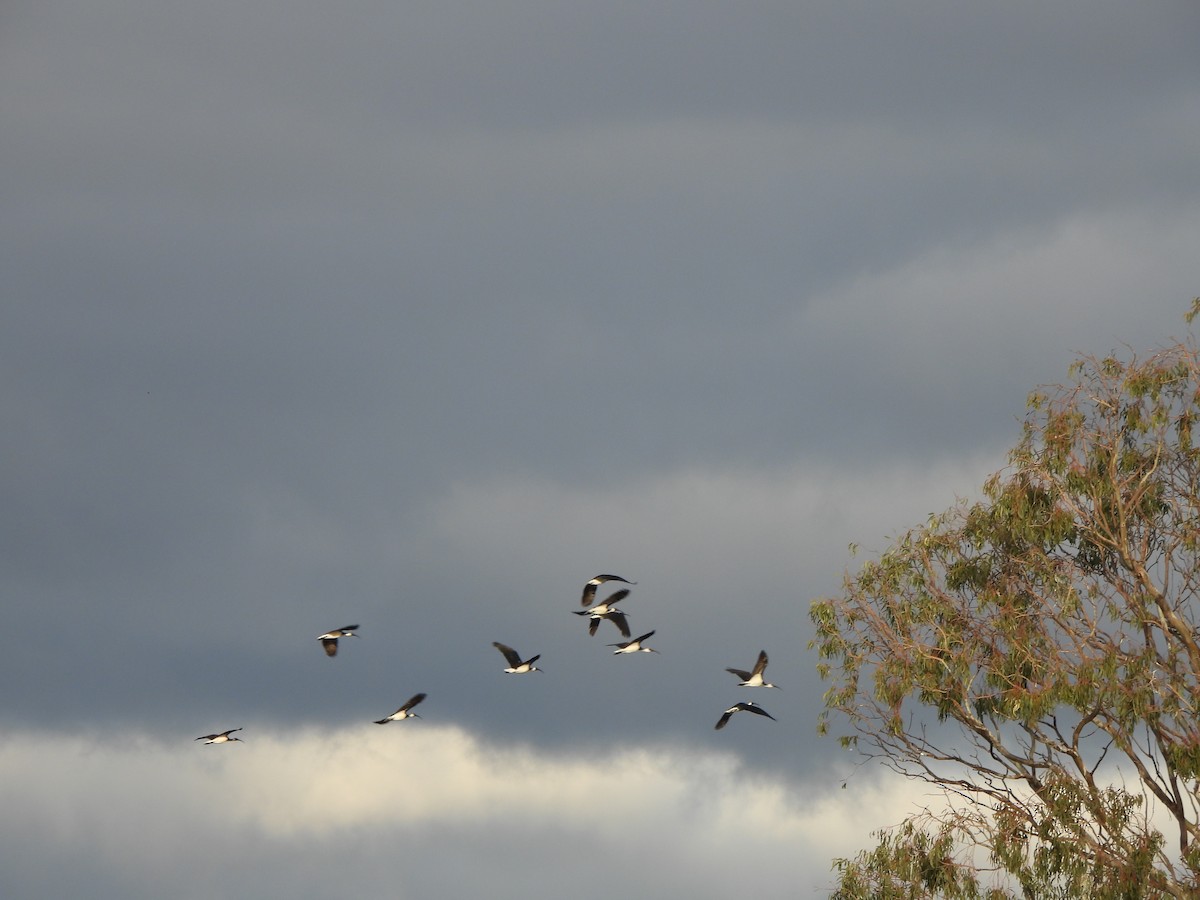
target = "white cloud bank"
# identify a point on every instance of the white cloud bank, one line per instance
(413, 810)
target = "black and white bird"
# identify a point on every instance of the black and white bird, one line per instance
(516, 665)
(607, 609)
(329, 640)
(754, 678)
(222, 738)
(744, 706)
(607, 605)
(634, 646)
(404, 712)
(613, 615)
(589, 589)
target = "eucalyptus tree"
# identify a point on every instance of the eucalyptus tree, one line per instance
(1034, 657)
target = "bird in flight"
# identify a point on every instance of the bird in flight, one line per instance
(589, 589)
(607, 605)
(329, 640)
(613, 615)
(744, 706)
(516, 665)
(404, 712)
(222, 738)
(754, 678)
(634, 646)
(607, 609)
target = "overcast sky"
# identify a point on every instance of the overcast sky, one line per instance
(419, 315)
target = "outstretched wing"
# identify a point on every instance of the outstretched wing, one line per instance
(510, 654)
(757, 710)
(618, 619)
(413, 701)
(616, 596)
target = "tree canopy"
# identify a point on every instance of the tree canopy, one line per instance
(1035, 656)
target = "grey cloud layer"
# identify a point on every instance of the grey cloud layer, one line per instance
(421, 316)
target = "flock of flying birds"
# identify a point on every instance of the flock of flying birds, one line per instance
(596, 613)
